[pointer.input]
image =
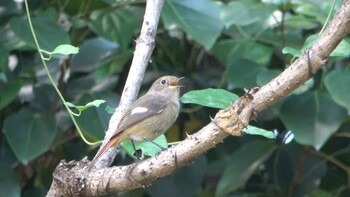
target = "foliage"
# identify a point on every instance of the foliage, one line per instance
(219, 45)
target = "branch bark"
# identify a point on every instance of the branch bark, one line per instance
(142, 54)
(124, 178)
(145, 44)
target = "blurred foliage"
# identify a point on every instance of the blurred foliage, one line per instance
(215, 44)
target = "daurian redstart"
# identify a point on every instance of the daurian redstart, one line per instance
(149, 116)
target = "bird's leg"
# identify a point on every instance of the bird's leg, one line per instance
(137, 155)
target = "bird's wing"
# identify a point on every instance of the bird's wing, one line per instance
(143, 108)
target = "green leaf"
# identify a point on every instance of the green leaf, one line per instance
(94, 120)
(258, 131)
(292, 51)
(187, 181)
(9, 93)
(337, 83)
(301, 22)
(117, 25)
(215, 98)
(228, 51)
(267, 75)
(29, 134)
(309, 9)
(199, 19)
(147, 148)
(91, 52)
(111, 64)
(81, 108)
(65, 49)
(242, 74)
(310, 41)
(242, 164)
(342, 50)
(313, 118)
(48, 33)
(305, 87)
(4, 59)
(245, 12)
(9, 183)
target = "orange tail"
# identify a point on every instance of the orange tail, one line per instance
(112, 142)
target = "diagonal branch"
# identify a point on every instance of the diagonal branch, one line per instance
(123, 178)
(105, 181)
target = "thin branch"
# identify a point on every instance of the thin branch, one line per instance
(144, 48)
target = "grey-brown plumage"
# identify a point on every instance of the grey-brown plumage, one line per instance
(149, 116)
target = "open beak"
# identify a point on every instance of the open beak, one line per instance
(176, 83)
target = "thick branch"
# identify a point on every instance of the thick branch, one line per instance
(122, 178)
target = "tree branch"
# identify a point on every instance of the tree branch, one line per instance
(143, 51)
(124, 178)
(144, 48)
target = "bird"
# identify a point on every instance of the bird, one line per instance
(148, 117)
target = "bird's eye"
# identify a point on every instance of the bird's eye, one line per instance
(163, 81)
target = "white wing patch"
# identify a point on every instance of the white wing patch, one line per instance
(139, 110)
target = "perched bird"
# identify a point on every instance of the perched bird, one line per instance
(149, 116)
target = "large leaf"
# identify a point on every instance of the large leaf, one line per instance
(242, 74)
(246, 12)
(338, 84)
(91, 52)
(111, 64)
(117, 25)
(4, 59)
(93, 120)
(242, 164)
(312, 117)
(215, 98)
(267, 75)
(9, 93)
(48, 33)
(230, 50)
(29, 134)
(9, 184)
(199, 19)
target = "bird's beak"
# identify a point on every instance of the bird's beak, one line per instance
(176, 83)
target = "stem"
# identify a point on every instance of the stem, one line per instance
(50, 77)
(328, 17)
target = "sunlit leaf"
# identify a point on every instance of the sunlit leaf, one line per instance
(65, 49)
(215, 98)
(258, 131)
